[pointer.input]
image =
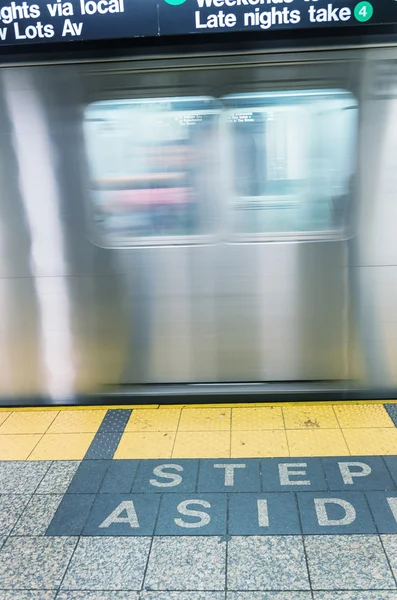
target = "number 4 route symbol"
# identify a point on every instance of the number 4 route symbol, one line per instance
(363, 11)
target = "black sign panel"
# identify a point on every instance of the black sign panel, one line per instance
(206, 16)
(40, 21)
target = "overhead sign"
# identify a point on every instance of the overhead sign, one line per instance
(40, 21)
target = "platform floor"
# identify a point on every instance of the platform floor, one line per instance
(225, 502)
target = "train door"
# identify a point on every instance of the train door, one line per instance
(289, 171)
(225, 195)
(153, 174)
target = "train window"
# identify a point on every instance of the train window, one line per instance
(290, 161)
(152, 165)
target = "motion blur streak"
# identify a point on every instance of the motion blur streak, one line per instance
(39, 192)
(221, 220)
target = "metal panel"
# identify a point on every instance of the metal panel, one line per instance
(76, 316)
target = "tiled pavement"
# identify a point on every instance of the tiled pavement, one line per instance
(261, 534)
(224, 431)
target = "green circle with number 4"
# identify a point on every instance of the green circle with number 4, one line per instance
(363, 11)
(175, 2)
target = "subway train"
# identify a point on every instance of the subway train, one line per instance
(202, 223)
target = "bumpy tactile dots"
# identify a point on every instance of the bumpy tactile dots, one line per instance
(115, 421)
(27, 422)
(109, 434)
(104, 445)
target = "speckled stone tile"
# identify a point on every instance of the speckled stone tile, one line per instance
(21, 477)
(355, 595)
(269, 596)
(38, 515)
(186, 563)
(354, 562)
(108, 563)
(11, 508)
(30, 595)
(58, 477)
(74, 595)
(390, 546)
(182, 596)
(34, 563)
(267, 563)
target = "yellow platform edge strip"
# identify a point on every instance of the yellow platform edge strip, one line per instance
(243, 430)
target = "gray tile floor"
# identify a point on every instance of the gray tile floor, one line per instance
(267, 563)
(199, 568)
(284, 567)
(348, 562)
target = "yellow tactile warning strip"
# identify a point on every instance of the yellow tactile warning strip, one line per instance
(70, 421)
(219, 431)
(48, 435)
(237, 432)
(62, 446)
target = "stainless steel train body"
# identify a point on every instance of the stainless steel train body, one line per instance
(208, 219)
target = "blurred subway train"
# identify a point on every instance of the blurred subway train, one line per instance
(213, 221)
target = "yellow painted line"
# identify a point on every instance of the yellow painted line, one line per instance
(78, 407)
(300, 403)
(203, 405)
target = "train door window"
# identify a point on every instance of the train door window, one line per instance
(290, 162)
(152, 164)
